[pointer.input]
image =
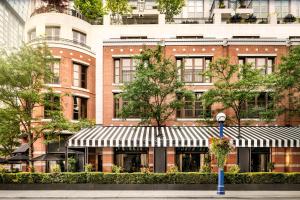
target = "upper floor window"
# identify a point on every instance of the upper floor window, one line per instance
(192, 9)
(32, 34)
(260, 103)
(79, 75)
(282, 8)
(52, 31)
(52, 103)
(261, 8)
(119, 103)
(264, 64)
(79, 108)
(193, 69)
(194, 108)
(79, 37)
(55, 69)
(124, 70)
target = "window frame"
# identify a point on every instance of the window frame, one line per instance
(82, 75)
(53, 100)
(82, 107)
(267, 58)
(80, 36)
(53, 34)
(120, 70)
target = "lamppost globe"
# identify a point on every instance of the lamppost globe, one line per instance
(221, 117)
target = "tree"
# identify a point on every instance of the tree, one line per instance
(235, 85)
(22, 91)
(9, 131)
(117, 8)
(287, 84)
(91, 9)
(152, 95)
(170, 8)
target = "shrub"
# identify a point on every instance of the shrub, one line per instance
(88, 168)
(55, 169)
(72, 164)
(172, 170)
(270, 166)
(234, 169)
(205, 169)
(145, 170)
(117, 169)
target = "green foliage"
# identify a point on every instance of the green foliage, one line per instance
(88, 168)
(234, 86)
(205, 169)
(270, 166)
(170, 8)
(90, 9)
(72, 164)
(152, 178)
(172, 170)
(220, 148)
(286, 83)
(56, 169)
(117, 169)
(117, 8)
(234, 169)
(145, 170)
(152, 94)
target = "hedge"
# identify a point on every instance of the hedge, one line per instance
(152, 178)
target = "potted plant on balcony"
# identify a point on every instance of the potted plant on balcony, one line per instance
(242, 4)
(289, 18)
(236, 18)
(221, 4)
(251, 19)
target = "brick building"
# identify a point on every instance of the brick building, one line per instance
(95, 59)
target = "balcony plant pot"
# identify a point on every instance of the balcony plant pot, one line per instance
(221, 4)
(289, 18)
(236, 19)
(251, 19)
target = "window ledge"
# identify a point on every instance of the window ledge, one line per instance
(193, 119)
(117, 84)
(53, 85)
(81, 89)
(257, 119)
(202, 84)
(130, 120)
(46, 120)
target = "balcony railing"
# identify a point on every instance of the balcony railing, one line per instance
(192, 21)
(63, 40)
(67, 11)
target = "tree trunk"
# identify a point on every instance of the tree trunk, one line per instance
(30, 156)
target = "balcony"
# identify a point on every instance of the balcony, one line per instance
(67, 11)
(192, 21)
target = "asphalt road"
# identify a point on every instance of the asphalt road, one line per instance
(144, 195)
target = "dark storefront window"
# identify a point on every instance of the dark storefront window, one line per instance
(191, 159)
(131, 159)
(260, 157)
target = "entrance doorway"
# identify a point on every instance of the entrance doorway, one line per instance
(100, 163)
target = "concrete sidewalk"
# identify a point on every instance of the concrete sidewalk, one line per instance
(144, 194)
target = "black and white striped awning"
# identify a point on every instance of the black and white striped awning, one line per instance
(184, 136)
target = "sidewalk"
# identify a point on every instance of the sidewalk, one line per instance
(145, 194)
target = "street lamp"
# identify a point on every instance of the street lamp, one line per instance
(221, 117)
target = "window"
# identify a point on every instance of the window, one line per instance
(55, 67)
(192, 9)
(79, 75)
(79, 108)
(131, 159)
(52, 103)
(52, 31)
(193, 68)
(282, 8)
(194, 108)
(260, 157)
(118, 105)
(32, 34)
(191, 159)
(264, 64)
(79, 37)
(261, 8)
(124, 69)
(260, 103)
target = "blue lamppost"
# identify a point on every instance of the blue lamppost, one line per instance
(221, 117)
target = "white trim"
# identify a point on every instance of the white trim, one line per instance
(80, 89)
(80, 62)
(46, 120)
(257, 119)
(194, 55)
(130, 120)
(258, 54)
(56, 57)
(53, 85)
(81, 95)
(293, 165)
(124, 55)
(117, 91)
(198, 84)
(193, 119)
(117, 84)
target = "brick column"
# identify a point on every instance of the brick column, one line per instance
(151, 158)
(293, 159)
(171, 153)
(278, 158)
(39, 148)
(107, 159)
(231, 159)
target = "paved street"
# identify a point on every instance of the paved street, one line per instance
(144, 194)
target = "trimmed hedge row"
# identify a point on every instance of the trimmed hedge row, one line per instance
(152, 178)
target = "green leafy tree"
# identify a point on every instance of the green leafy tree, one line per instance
(117, 8)
(234, 86)
(170, 8)
(287, 84)
(9, 131)
(90, 9)
(152, 95)
(22, 91)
